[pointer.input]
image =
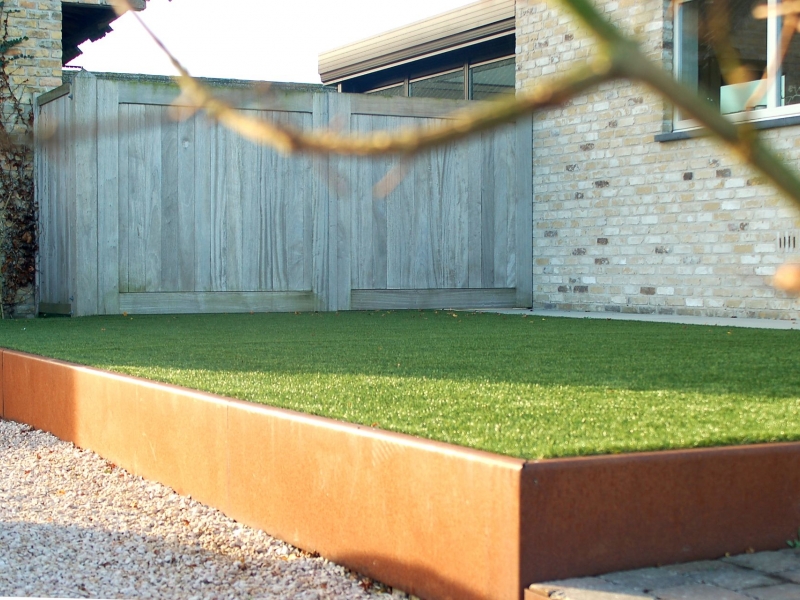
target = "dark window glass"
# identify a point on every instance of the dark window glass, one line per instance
(790, 81)
(395, 90)
(449, 85)
(723, 56)
(493, 80)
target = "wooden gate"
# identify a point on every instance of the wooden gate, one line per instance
(144, 213)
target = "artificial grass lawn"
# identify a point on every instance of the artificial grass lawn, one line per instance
(527, 387)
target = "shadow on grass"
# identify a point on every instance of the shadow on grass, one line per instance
(469, 347)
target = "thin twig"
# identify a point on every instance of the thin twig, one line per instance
(617, 57)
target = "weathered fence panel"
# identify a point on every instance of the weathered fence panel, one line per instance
(144, 213)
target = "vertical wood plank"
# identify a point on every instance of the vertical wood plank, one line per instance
(152, 184)
(423, 268)
(219, 226)
(400, 220)
(474, 210)
(322, 273)
(380, 169)
(124, 223)
(438, 157)
(41, 191)
(306, 123)
(137, 199)
(85, 104)
(454, 224)
(361, 182)
(503, 187)
(267, 195)
(63, 202)
(283, 189)
(67, 201)
(170, 184)
(488, 201)
(108, 197)
(524, 211)
(51, 173)
(205, 185)
(186, 200)
(297, 197)
(251, 216)
(234, 174)
(340, 112)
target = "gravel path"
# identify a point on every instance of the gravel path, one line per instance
(74, 525)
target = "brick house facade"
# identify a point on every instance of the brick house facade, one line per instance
(631, 214)
(625, 223)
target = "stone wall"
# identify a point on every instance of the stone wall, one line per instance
(623, 223)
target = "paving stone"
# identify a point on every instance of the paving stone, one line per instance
(588, 589)
(736, 578)
(769, 562)
(700, 566)
(786, 591)
(588, 583)
(793, 576)
(698, 592)
(649, 579)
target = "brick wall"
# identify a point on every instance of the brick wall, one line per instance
(623, 223)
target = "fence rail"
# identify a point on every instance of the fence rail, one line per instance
(142, 213)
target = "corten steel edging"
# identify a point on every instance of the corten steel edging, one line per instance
(2, 407)
(593, 515)
(434, 519)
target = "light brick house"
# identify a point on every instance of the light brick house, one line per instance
(53, 29)
(631, 213)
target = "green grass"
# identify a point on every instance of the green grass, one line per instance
(527, 387)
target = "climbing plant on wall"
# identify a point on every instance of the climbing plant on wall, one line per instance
(17, 201)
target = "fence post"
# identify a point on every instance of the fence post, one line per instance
(323, 282)
(524, 208)
(340, 207)
(85, 173)
(108, 197)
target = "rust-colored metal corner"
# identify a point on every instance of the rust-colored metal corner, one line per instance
(593, 515)
(2, 405)
(436, 520)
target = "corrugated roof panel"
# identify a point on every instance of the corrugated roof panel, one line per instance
(459, 26)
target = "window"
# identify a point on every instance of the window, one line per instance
(447, 85)
(398, 89)
(727, 72)
(486, 81)
(492, 80)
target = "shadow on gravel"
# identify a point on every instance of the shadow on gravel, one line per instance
(73, 562)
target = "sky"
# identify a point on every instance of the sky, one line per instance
(266, 40)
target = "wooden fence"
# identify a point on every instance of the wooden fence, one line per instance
(142, 213)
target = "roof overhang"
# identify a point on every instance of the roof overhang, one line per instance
(83, 22)
(456, 28)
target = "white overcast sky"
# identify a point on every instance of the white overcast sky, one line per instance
(267, 40)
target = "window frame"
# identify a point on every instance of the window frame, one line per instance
(466, 68)
(401, 84)
(774, 110)
(483, 63)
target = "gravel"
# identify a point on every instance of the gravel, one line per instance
(73, 525)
